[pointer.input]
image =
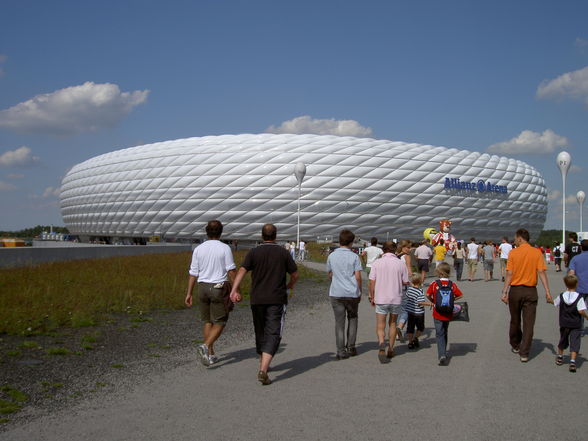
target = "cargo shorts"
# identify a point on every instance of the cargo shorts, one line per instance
(212, 306)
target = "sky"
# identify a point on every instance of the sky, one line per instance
(79, 79)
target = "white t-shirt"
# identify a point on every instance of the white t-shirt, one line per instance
(472, 250)
(505, 249)
(301, 246)
(423, 252)
(211, 261)
(569, 298)
(372, 253)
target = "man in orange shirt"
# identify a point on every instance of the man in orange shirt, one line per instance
(524, 265)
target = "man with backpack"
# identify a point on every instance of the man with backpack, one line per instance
(442, 293)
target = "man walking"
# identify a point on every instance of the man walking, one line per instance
(505, 249)
(525, 263)
(370, 254)
(212, 262)
(473, 255)
(423, 255)
(269, 263)
(572, 249)
(579, 268)
(344, 269)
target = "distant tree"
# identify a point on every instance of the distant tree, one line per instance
(547, 238)
(32, 232)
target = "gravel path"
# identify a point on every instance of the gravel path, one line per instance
(119, 355)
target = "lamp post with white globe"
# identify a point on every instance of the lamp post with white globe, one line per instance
(299, 172)
(564, 160)
(580, 196)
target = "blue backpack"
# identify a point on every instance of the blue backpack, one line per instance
(444, 298)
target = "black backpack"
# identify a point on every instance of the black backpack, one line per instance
(444, 298)
(557, 253)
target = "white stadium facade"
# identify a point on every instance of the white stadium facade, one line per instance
(374, 187)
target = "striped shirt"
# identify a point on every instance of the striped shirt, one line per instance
(413, 297)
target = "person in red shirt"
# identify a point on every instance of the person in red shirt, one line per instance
(442, 319)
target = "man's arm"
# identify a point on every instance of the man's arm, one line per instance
(293, 280)
(372, 291)
(506, 287)
(358, 279)
(545, 282)
(235, 294)
(191, 282)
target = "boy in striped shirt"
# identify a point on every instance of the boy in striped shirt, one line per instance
(415, 303)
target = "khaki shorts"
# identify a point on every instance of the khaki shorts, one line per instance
(212, 306)
(472, 264)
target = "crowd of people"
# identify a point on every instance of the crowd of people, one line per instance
(396, 289)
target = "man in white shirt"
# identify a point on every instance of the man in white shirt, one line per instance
(504, 248)
(212, 264)
(423, 255)
(370, 254)
(301, 251)
(473, 254)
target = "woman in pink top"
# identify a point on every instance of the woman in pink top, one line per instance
(387, 279)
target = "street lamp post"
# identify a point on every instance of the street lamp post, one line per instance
(299, 172)
(580, 196)
(564, 160)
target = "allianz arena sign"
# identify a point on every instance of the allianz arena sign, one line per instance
(480, 186)
(375, 187)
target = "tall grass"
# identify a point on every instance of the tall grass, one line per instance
(84, 292)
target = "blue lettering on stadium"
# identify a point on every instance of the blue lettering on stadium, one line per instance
(480, 186)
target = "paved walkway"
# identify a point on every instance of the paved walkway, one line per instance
(485, 393)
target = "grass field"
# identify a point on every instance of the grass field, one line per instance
(42, 298)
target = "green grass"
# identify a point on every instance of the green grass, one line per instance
(11, 400)
(14, 353)
(40, 299)
(15, 394)
(87, 346)
(4, 420)
(117, 365)
(58, 351)
(29, 344)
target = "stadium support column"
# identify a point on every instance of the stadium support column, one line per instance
(564, 161)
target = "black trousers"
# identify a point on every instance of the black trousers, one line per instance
(268, 321)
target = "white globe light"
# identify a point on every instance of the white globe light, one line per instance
(581, 196)
(564, 160)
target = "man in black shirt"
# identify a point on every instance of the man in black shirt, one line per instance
(269, 263)
(572, 249)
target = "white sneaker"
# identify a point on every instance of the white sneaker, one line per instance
(203, 354)
(213, 359)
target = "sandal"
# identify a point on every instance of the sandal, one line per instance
(382, 353)
(559, 360)
(572, 367)
(390, 353)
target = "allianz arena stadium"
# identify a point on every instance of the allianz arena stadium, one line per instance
(373, 187)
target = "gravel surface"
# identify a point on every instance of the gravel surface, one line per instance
(118, 355)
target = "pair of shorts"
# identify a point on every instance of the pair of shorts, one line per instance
(388, 309)
(423, 265)
(489, 265)
(570, 337)
(212, 305)
(472, 264)
(415, 320)
(503, 262)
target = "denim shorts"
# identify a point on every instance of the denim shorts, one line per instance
(388, 309)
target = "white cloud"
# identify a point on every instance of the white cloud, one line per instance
(575, 169)
(2, 60)
(306, 124)
(530, 142)
(51, 192)
(15, 176)
(571, 199)
(6, 186)
(569, 85)
(21, 157)
(554, 195)
(581, 42)
(72, 110)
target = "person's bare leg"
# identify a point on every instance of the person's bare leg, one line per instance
(265, 361)
(423, 277)
(211, 335)
(392, 329)
(381, 328)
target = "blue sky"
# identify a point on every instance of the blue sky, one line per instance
(78, 79)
